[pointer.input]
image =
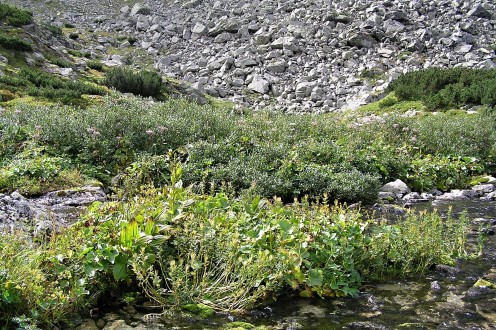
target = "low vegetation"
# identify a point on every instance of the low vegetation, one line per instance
(14, 43)
(15, 16)
(182, 250)
(450, 88)
(262, 153)
(144, 83)
(48, 86)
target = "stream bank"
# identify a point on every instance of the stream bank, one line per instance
(461, 297)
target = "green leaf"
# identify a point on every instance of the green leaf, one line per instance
(315, 277)
(149, 227)
(120, 268)
(285, 225)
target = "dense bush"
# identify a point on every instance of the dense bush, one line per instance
(180, 248)
(95, 65)
(14, 43)
(267, 154)
(34, 171)
(447, 88)
(15, 16)
(144, 83)
(55, 30)
(230, 254)
(49, 86)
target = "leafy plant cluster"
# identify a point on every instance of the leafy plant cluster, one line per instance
(180, 248)
(14, 43)
(42, 84)
(144, 83)
(34, 171)
(264, 153)
(15, 16)
(441, 88)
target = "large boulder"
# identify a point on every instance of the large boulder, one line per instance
(398, 188)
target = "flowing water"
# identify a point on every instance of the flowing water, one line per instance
(445, 298)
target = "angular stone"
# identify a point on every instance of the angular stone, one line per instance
(259, 85)
(361, 40)
(397, 187)
(479, 11)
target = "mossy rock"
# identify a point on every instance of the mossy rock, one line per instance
(238, 325)
(6, 95)
(200, 310)
(484, 283)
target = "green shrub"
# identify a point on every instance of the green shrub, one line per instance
(15, 43)
(73, 36)
(60, 62)
(33, 172)
(442, 173)
(45, 284)
(388, 101)
(447, 88)
(15, 16)
(144, 83)
(230, 254)
(95, 65)
(55, 30)
(52, 87)
(75, 53)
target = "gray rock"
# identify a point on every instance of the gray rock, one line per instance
(484, 188)
(261, 39)
(288, 43)
(456, 194)
(479, 11)
(361, 40)
(259, 85)
(199, 29)
(49, 212)
(398, 188)
(139, 9)
(276, 67)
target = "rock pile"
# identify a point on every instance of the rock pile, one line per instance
(308, 55)
(47, 213)
(398, 190)
(298, 55)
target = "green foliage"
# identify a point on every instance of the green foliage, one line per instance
(41, 285)
(73, 36)
(55, 30)
(15, 16)
(184, 248)
(414, 244)
(388, 101)
(34, 171)
(442, 173)
(14, 43)
(262, 153)
(95, 65)
(42, 84)
(144, 83)
(60, 62)
(450, 88)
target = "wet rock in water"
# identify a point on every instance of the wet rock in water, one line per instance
(479, 293)
(448, 269)
(88, 324)
(457, 195)
(435, 287)
(366, 325)
(118, 325)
